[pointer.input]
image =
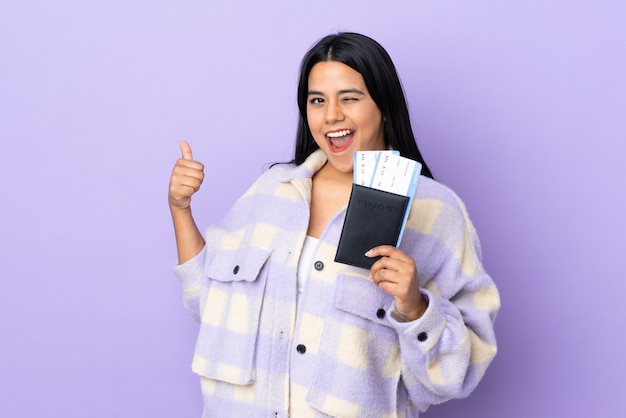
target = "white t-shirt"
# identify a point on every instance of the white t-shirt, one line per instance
(304, 264)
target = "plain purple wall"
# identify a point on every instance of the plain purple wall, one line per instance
(520, 106)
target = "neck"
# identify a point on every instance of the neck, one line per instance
(330, 173)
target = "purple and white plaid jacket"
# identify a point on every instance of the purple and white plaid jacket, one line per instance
(341, 352)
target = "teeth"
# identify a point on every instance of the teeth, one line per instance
(339, 133)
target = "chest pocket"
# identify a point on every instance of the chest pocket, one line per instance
(358, 368)
(229, 325)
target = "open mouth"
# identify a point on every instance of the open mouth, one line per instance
(340, 140)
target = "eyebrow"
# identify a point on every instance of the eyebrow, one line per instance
(314, 92)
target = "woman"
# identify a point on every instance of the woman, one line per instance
(285, 330)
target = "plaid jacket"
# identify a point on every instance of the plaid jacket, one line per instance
(343, 353)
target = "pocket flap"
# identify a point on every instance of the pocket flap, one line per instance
(359, 295)
(241, 264)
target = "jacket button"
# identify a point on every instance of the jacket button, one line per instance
(318, 265)
(380, 313)
(301, 348)
(236, 270)
(422, 336)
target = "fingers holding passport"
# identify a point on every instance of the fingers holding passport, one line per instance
(395, 273)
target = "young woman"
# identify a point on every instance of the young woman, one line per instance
(285, 330)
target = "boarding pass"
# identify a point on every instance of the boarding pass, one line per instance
(387, 171)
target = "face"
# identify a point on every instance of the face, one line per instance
(342, 115)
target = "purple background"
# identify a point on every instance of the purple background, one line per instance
(520, 106)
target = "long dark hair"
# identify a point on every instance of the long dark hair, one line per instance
(370, 59)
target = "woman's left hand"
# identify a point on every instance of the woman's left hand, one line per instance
(396, 273)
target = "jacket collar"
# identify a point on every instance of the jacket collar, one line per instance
(307, 169)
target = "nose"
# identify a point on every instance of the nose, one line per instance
(333, 112)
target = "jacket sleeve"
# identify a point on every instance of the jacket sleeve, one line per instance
(193, 285)
(446, 352)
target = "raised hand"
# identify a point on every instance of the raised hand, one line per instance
(186, 178)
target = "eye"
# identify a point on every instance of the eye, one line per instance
(316, 100)
(349, 99)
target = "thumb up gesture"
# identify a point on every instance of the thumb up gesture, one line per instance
(186, 179)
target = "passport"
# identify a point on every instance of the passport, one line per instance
(374, 217)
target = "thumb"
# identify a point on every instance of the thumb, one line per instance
(185, 149)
